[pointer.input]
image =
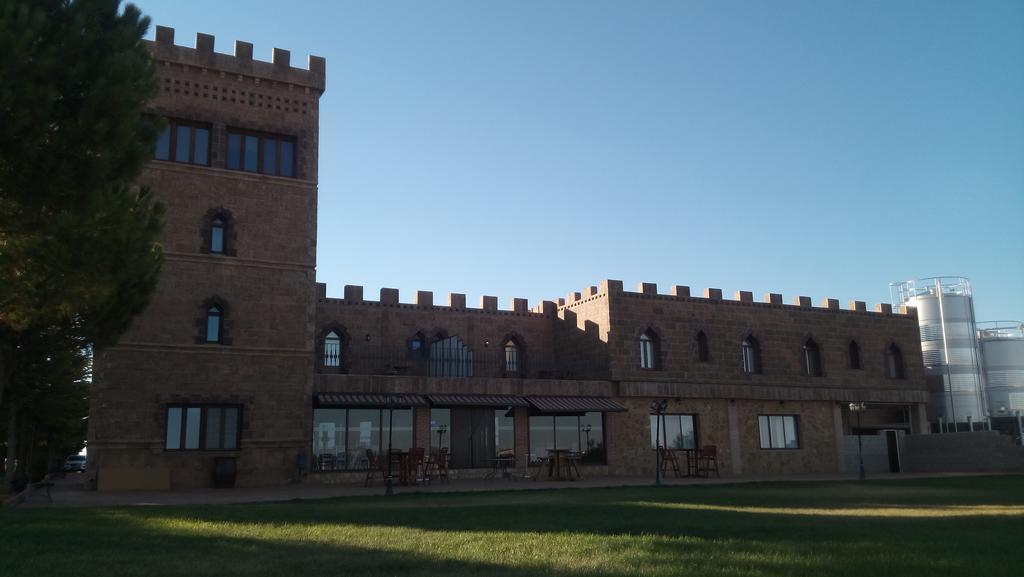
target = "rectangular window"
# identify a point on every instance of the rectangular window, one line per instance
(202, 427)
(440, 429)
(778, 431)
(341, 436)
(581, 433)
(504, 433)
(263, 153)
(678, 432)
(185, 142)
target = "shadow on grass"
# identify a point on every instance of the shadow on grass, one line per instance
(609, 532)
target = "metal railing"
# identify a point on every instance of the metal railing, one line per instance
(483, 364)
(1000, 330)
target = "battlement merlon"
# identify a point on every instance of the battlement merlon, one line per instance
(242, 63)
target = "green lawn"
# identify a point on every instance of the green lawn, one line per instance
(928, 527)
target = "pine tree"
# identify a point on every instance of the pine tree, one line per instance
(78, 240)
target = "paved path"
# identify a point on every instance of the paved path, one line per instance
(69, 492)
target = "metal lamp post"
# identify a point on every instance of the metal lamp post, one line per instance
(389, 483)
(586, 430)
(658, 408)
(859, 408)
(440, 435)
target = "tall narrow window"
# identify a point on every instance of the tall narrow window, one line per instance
(214, 318)
(332, 350)
(217, 235)
(894, 358)
(854, 355)
(812, 358)
(511, 365)
(703, 354)
(649, 350)
(751, 352)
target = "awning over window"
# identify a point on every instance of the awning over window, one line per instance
(575, 404)
(368, 400)
(478, 401)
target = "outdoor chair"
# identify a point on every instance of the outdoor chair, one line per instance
(441, 464)
(669, 460)
(709, 460)
(573, 459)
(541, 462)
(417, 470)
(372, 466)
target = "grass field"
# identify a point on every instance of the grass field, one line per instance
(933, 527)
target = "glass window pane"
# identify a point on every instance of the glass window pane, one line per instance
(231, 429)
(234, 151)
(269, 156)
(213, 431)
(173, 428)
(192, 422)
(217, 238)
(182, 143)
(363, 434)
(399, 435)
(542, 436)
(567, 433)
(762, 426)
(440, 428)
(688, 432)
(656, 435)
(329, 439)
(504, 433)
(791, 440)
(592, 437)
(163, 145)
(287, 158)
(202, 146)
(213, 328)
(252, 148)
(778, 442)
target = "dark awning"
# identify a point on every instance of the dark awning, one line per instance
(368, 400)
(478, 400)
(575, 404)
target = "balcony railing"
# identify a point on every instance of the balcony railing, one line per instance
(486, 364)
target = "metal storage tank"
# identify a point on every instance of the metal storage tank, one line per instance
(1002, 354)
(949, 345)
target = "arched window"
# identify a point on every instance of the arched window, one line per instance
(751, 352)
(855, 355)
(894, 361)
(812, 358)
(217, 234)
(703, 354)
(649, 350)
(214, 324)
(450, 357)
(332, 349)
(512, 363)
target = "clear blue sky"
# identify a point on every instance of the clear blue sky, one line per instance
(531, 148)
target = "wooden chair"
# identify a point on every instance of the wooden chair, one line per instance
(372, 466)
(668, 459)
(441, 466)
(574, 458)
(417, 468)
(709, 460)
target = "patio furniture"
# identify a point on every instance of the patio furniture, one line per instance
(373, 466)
(416, 466)
(500, 466)
(709, 460)
(559, 466)
(574, 458)
(442, 464)
(669, 461)
(692, 462)
(325, 462)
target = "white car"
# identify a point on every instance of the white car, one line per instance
(74, 463)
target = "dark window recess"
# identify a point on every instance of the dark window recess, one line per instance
(854, 355)
(703, 353)
(203, 427)
(185, 142)
(261, 153)
(812, 358)
(894, 361)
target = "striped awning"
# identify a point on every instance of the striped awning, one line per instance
(368, 400)
(575, 404)
(478, 401)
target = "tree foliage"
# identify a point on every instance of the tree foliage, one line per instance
(78, 239)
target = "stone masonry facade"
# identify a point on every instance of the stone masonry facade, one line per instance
(165, 398)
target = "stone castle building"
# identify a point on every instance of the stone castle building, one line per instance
(242, 355)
